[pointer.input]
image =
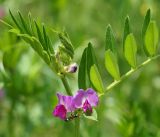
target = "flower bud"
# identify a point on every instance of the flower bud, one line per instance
(87, 108)
(72, 68)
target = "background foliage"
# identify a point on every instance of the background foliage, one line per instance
(28, 87)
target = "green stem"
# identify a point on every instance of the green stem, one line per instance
(68, 90)
(115, 83)
(66, 85)
(77, 125)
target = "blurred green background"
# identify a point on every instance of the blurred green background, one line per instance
(28, 87)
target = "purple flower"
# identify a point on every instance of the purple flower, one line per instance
(83, 101)
(64, 105)
(86, 99)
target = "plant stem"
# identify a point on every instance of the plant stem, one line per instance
(115, 83)
(68, 90)
(77, 125)
(66, 85)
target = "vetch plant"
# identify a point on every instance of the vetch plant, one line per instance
(90, 84)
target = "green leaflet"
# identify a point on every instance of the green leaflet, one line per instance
(31, 25)
(111, 64)
(93, 116)
(91, 57)
(15, 21)
(87, 61)
(47, 41)
(151, 38)
(110, 40)
(110, 54)
(82, 73)
(126, 29)
(50, 45)
(23, 22)
(144, 28)
(91, 61)
(37, 46)
(40, 37)
(46, 57)
(96, 79)
(130, 50)
(146, 22)
(45, 36)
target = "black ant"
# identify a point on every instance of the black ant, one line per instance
(71, 117)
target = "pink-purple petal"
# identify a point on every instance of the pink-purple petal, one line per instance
(60, 111)
(82, 95)
(60, 98)
(92, 97)
(79, 98)
(67, 101)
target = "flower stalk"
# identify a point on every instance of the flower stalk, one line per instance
(66, 85)
(77, 125)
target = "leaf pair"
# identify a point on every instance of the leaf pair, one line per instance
(129, 49)
(88, 75)
(150, 35)
(111, 63)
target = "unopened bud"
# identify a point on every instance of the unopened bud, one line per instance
(72, 68)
